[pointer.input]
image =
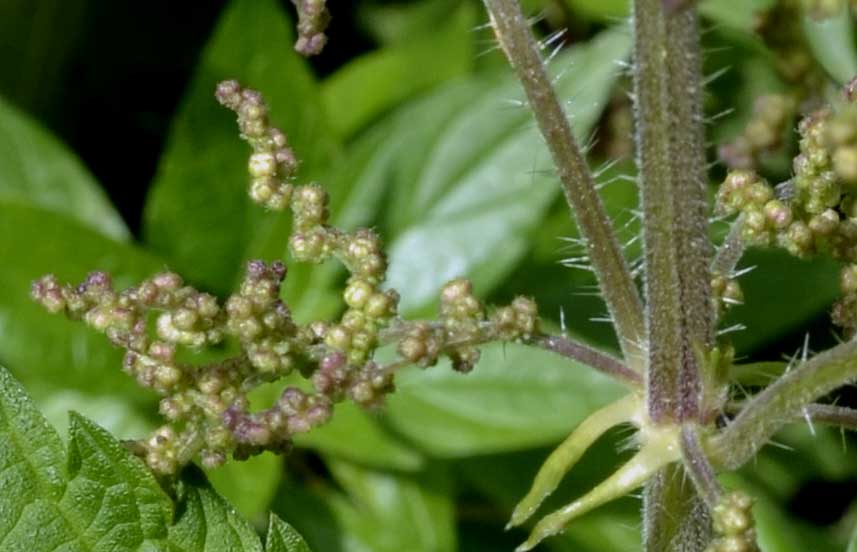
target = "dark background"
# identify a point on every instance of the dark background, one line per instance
(106, 76)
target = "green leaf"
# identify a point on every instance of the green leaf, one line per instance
(282, 537)
(765, 314)
(601, 9)
(400, 22)
(484, 180)
(198, 215)
(505, 478)
(378, 511)
(852, 545)
(102, 498)
(113, 494)
(517, 397)
(205, 521)
(832, 43)
(260, 473)
(396, 511)
(37, 169)
(355, 435)
(374, 83)
(735, 14)
(47, 352)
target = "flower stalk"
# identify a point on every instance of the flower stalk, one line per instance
(611, 268)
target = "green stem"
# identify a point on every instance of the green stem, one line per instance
(672, 174)
(782, 402)
(731, 250)
(593, 358)
(610, 266)
(679, 317)
(676, 519)
(698, 467)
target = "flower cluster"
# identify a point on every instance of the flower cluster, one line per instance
(772, 117)
(726, 292)
(816, 211)
(313, 18)
(207, 406)
(463, 325)
(733, 524)
(780, 27)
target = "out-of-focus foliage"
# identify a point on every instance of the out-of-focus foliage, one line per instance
(425, 138)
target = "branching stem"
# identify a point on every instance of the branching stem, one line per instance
(610, 265)
(731, 250)
(783, 401)
(698, 467)
(672, 174)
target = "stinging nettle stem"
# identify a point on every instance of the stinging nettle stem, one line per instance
(782, 402)
(611, 268)
(672, 175)
(679, 317)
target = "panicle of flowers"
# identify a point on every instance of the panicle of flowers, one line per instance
(734, 527)
(313, 19)
(771, 119)
(207, 406)
(816, 211)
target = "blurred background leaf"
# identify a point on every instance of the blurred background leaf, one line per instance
(199, 193)
(518, 397)
(36, 169)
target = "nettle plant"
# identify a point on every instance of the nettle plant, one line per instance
(274, 373)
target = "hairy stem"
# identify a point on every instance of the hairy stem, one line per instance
(782, 402)
(584, 354)
(679, 318)
(610, 265)
(690, 199)
(731, 250)
(675, 518)
(830, 414)
(672, 175)
(698, 467)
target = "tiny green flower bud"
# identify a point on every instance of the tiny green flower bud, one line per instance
(358, 293)
(262, 165)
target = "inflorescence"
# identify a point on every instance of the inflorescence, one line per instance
(734, 526)
(313, 19)
(814, 213)
(207, 406)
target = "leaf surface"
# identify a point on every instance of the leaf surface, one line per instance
(517, 397)
(101, 498)
(37, 169)
(198, 215)
(48, 353)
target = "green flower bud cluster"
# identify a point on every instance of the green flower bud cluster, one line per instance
(844, 312)
(781, 29)
(772, 117)
(206, 406)
(262, 322)
(733, 524)
(820, 216)
(463, 325)
(726, 293)
(272, 164)
(201, 402)
(313, 19)
(185, 316)
(765, 216)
